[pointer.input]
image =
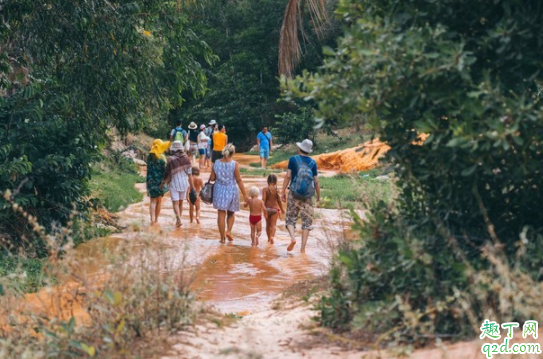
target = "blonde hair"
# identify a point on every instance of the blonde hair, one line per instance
(254, 192)
(229, 150)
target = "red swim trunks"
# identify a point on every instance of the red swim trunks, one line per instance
(255, 219)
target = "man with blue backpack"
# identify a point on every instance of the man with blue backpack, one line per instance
(302, 177)
(179, 134)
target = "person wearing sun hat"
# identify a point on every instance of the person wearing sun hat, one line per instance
(156, 165)
(303, 183)
(193, 140)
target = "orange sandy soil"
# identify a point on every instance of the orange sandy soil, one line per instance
(356, 159)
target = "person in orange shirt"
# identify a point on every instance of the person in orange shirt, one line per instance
(220, 139)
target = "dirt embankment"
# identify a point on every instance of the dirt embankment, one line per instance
(356, 159)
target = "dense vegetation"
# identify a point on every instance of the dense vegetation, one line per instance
(69, 71)
(243, 87)
(463, 241)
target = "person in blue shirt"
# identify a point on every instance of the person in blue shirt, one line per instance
(264, 143)
(295, 205)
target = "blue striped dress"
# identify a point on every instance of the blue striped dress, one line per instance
(225, 191)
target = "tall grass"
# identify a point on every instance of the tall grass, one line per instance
(114, 188)
(355, 191)
(134, 298)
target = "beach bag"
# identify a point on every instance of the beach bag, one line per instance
(303, 187)
(206, 194)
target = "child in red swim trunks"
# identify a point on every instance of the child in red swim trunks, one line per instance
(256, 209)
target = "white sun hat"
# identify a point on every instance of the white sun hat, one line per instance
(306, 145)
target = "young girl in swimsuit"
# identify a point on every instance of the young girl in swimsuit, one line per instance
(256, 208)
(273, 203)
(198, 185)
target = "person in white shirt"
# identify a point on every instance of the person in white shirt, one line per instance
(203, 144)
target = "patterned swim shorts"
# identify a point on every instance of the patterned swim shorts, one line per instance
(294, 207)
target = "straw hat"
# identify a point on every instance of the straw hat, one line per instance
(159, 147)
(306, 145)
(177, 146)
(192, 126)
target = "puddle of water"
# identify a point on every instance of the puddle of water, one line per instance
(240, 278)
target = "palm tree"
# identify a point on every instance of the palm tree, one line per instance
(290, 50)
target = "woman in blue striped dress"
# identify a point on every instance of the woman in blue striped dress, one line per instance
(225, 173)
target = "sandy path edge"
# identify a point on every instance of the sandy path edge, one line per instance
(270, 333)
(289, 333)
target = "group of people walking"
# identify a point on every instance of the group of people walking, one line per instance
(179, 174)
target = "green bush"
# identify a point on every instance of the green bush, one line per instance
(112, 67)
(294, 127)
(467, 74)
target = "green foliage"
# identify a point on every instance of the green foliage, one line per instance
(70, 71)
(33, 276)
(243, 86)
(114, 189)
(263, 172)
(466, 73)
(355, 191)
(294, 127)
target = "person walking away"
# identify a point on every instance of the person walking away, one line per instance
(178, 134)
(273, 204)
(198, 185)
(264, 142)
(225, 173)
(192, 135)
(220, 139)
(203, 142)
(178, 175)
(256, 209)
(210, 130)
(302, 177)
(156, 165)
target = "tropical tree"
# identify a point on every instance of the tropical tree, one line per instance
(290, 46)
(70, 71)
(243, 87)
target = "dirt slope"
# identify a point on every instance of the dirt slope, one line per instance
(356, 159)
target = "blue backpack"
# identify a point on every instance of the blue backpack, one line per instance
(303, 187)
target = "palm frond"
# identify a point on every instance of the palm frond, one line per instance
(290, 50)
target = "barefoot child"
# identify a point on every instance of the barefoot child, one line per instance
(274, 206)
(198, 185)
(256, 208)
